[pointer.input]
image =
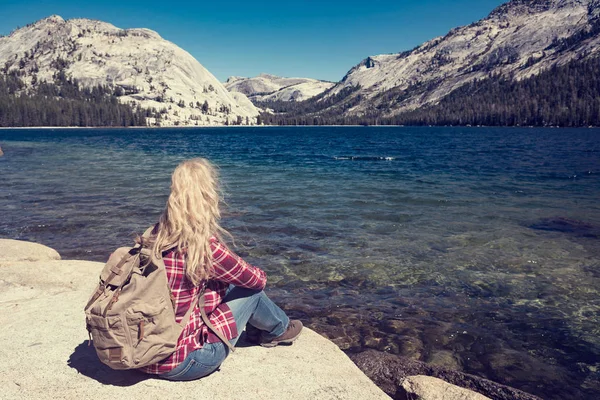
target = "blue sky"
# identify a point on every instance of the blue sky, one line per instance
(315, 39)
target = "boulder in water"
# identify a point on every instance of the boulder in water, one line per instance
(430, 388)
(391, 373)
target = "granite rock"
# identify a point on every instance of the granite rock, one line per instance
(16, 250)
(430, 388)
(45, 353)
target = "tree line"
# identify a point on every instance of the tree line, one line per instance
(64, 103)
(567, 96)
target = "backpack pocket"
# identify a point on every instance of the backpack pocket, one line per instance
(110, 340)
(153, 332)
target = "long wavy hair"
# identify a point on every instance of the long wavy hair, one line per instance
(191, 217)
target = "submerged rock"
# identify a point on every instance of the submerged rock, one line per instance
(444, 359)
(567, 225)
(389, 372)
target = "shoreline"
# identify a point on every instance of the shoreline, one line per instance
(294, 126)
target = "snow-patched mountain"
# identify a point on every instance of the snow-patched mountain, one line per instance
(147, 69)
(518, 39)
(265, 87)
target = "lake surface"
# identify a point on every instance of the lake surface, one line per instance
(472, 248)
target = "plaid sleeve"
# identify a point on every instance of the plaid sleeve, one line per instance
(229, 267)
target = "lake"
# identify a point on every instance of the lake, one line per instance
(476, 249)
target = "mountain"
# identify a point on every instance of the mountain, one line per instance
(516, 42)
(267, 87)
(141, 68)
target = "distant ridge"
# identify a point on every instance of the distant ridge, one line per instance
(266, 87)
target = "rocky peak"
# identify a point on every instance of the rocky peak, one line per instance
(140, 65)
(534, 6)
(232, 79)
(517, 40)
(53, 19)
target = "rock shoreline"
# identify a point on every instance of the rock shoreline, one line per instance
(395, 375)
(45, 352)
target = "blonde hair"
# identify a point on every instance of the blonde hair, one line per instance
(191, 217)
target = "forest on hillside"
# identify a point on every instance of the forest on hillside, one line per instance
(63, 103)
(566, 96)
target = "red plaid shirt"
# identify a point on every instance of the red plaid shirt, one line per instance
(228, 268)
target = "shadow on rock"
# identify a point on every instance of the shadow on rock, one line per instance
(388, 372)
(85, 361)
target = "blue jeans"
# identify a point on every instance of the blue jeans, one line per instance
(248, 306)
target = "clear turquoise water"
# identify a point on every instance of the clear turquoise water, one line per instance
(472, 248)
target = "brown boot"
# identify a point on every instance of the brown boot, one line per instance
(291, 333)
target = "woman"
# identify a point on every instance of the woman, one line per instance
(188, 236)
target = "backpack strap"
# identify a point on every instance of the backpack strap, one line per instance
(116, 270)
(211, 326)
(186, 317)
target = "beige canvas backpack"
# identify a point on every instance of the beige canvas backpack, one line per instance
(130, 317)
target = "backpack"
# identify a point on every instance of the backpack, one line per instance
(131, 316)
